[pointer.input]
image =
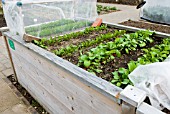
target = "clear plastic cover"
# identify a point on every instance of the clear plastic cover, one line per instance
(156, 11)
(46, 18)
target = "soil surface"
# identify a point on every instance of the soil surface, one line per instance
(107, 12)
(126, 2)
(76, 41)
(116, 63)
(2, 21)
(110, 66)
(29, 98)
(147, 25)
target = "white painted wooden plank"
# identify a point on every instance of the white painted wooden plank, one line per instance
(65, 98)
(84, 76)
(99, 105)
(44, 97)
(147, 109)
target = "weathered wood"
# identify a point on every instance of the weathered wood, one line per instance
(62, 87)
(58, 84)
(128, 108)
(29, 38)
(133, 95)
(147, 109)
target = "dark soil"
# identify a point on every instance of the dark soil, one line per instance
(107, 12)
(76, 41)
(117, 62)
(110, 66)
(29, 98)
(147, 25)
(126, 2)
(2, 21)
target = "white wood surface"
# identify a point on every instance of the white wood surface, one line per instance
(147, 109)
(56, 88)
(63, 88)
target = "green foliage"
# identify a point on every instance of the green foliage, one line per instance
(41, 43)
(53, 29)
(158, 53)
(121, 77)
(48, 25)
(93, 60)
(87, 43)
(101, 8)
(106, 52)
(66, 37)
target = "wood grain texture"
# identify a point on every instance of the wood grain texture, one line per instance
(58, 89)
(63, 88)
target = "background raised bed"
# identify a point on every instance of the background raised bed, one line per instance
(126, 2)
(148, 26)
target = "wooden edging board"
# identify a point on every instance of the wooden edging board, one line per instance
(105, 88)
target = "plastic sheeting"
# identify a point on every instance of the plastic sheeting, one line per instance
(156, 11)
(43, 18)
(155, 80)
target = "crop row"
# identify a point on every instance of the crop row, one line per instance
(104, 53)
(60, 29)
(49, 25)
(89, 42)
(45, 42)
(158, 53)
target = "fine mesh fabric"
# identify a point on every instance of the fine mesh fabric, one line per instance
(156, 11)
(46, 18)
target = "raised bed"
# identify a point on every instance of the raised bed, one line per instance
(62, 87)
(126, 2)
(148, 26)
(105, 9)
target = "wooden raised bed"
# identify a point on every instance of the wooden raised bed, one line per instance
(64, 88)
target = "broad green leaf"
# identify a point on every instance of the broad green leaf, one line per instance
(118, 53)
(37, 42)
(143, 44)
(98, 70)
(114, 81)
(87, 63)
(121, 70)
(127, 51)
(125, 81)
(131, 66)
(112, 57)
(145, 50)
(84, 57)
(118, 84)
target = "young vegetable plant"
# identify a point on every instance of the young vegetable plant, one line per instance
(88, 43)
(158, 53)
(106, 52)
(105, 9)
(48, 30)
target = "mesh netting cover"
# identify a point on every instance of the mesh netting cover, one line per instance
(43, 18)
(156, 11)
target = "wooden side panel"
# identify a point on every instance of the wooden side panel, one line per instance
(56, 88)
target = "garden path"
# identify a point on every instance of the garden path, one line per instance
(11, 101)
(126, 12)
